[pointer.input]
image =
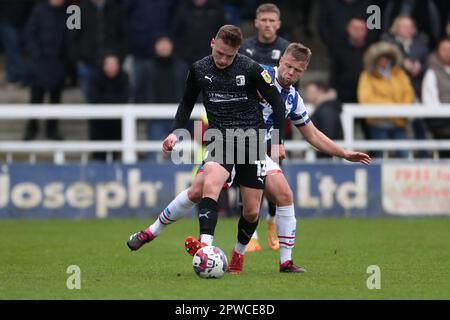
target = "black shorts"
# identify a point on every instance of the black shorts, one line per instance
(248, 171)
(247, 175)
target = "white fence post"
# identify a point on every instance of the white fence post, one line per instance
(129, 136)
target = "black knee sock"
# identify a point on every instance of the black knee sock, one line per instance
(246, 230)
(272, 208)
(207, 216)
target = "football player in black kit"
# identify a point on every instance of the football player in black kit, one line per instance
(229, 83)
(266, 48)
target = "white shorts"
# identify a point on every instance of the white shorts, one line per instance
(272, 167)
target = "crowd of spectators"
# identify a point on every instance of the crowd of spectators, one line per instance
(405, 61)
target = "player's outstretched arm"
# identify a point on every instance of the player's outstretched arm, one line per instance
(184, 110)
(324, 144)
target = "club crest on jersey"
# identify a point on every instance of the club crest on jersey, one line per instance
(266, 76)
(240, 80)
(276, 54)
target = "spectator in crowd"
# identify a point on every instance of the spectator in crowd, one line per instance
(103, 28)
(347, 60)
(166, 84)
(334, 16)
(46, 42)
(327, 110)
(424, 13)
(346, 64)
(195, 23)
(383, 81)
(436, 89)
(13, 18)
(414, 48)
(147, 21)
(110, 85)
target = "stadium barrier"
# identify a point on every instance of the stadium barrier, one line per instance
(133, 188)
(130, 114)
(386, 189)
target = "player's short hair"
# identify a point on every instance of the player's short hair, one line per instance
(268, 7)
(230, 35)
(299, 52)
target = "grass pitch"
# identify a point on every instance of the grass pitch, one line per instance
(413, 255)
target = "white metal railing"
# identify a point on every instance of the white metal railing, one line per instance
(130, 114)
(354, 111)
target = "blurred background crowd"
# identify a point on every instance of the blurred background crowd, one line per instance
(138, 51)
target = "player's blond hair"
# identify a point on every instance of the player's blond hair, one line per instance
(230, 35)
(299, 52)
(268, 7)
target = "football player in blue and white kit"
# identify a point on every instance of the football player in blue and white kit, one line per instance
(292, 66)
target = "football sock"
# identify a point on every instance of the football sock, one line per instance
(207, 238)
(207, 218)
(178, 208)
(270, 219)
(286, 229)
(240, 248)
(272, 209)
(255, 235)
(246, 230)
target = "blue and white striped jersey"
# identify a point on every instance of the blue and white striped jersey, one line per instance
(295, 108)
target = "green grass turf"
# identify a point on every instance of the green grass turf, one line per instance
(413, 254)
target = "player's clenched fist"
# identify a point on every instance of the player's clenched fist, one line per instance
(169, 143)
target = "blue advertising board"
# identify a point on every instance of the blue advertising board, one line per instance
(143, 190)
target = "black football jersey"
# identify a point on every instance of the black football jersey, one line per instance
(229, 95)
(264, 53)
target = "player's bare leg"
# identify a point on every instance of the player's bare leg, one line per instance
(178, 208)
(279, 192)
(251, 200)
